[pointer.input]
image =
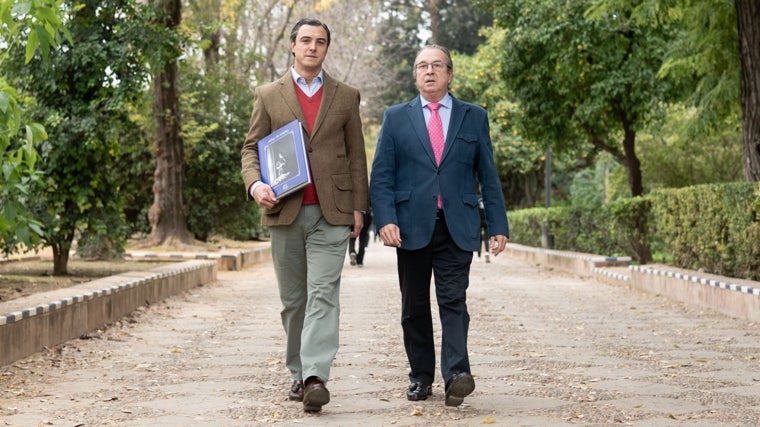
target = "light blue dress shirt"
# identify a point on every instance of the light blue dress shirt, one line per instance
(309, 90)
(444, 111)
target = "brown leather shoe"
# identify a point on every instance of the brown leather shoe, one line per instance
(296, 391)
(315, 395)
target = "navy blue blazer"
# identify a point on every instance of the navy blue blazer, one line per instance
(405, 179)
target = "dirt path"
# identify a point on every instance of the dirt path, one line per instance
(547, 349)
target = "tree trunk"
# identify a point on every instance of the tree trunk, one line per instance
(642, 252)
(60, 259)
(434, 21)
(632, 163)
(167, 215)
(748, 18)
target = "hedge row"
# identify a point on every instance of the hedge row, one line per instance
(713, 227)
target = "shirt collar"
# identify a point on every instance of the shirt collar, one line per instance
(445, 102)
(301, 80)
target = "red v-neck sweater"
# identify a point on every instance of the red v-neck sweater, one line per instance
(310, 108)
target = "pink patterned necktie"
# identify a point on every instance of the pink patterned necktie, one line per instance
(435, 130)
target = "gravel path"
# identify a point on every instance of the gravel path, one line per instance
(547, 349)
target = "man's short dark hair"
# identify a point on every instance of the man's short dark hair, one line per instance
(308, 21)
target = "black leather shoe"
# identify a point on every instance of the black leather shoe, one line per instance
(296, 391)
(315, 395)
(419, 391)
(459, 387)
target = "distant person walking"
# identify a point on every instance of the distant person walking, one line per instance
(357, 257)
(483, 247)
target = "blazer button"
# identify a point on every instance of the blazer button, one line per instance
(309, 149)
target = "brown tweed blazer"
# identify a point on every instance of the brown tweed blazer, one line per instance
(335, 149)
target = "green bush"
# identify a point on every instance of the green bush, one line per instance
(713, 227)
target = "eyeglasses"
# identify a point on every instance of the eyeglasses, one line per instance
(437, 66)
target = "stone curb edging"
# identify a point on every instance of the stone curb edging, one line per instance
(570, 261)
(226, 260)
(601, 271)
(77, 310)
(722, 294)
(752, 290)
(94, 304)
(149, 277)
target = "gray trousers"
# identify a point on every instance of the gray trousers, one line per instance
(308, 258)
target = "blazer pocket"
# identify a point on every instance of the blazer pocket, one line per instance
(402, 196)
(468, 138)
(470, 200)
(467, 152)
(342, 193)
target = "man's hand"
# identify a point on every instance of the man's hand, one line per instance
(358, 224)
(390, 234)
(497, 244)
(264, 196)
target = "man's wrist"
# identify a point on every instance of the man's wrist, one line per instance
(254, 186)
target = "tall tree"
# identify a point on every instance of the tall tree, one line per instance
(167, 215)
(435, 21)
(216, 105)
(520, 161)
(83, 97)
(748, 17)
(461, 24)
(406, 25)
(716, 59)
(397, 44)
(584, 78)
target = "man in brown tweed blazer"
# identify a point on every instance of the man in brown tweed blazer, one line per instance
(310, 228)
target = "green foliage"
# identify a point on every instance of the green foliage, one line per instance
(672, 156)
(396, 51)
(18, 229)
(83, 97)
(578, 77)
(571, 228)
(593, 187)
(525, 225)
(707, 36)
(476, 79)
(216, 102)
(520, 160)
(460, 24)
(631, 226)
(712, 227)
(40, 22)
(582, 78)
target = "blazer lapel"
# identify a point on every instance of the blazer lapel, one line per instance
(288, 93)
(329, 88)
(414, 110)
(458, 110)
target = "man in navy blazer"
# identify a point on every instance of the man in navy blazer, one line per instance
(428, 210)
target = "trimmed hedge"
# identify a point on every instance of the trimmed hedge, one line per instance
(715, 228)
